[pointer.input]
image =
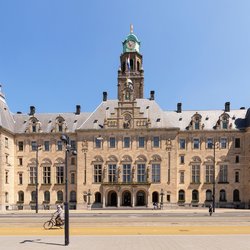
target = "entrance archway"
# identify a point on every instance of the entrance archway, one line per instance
(126, 198)
(155, 197)
(112, 199)
(140, 198)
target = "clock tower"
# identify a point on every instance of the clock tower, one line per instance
(130, 73)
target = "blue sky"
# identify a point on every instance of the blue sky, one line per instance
(55, 54)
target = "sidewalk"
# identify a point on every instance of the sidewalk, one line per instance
(222, 242)
(134, 211)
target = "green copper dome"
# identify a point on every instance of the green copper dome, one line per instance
(131, 43)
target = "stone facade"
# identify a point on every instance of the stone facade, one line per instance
(130, 153)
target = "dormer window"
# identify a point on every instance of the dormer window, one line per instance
(34, 125)
(195, 123)
(224, 121)
(60, 124)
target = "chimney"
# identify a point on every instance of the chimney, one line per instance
(78, 109)
(32, 110)
(152, 95)
(179, 110)
(104, 96)
(227, 107)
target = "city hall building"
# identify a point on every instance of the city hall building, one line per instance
(130, 152)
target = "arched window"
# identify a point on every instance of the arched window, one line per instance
(209, 195)
(33, 196)
(98, 197)
(131, 64)
(223, 195)
(47, 196)
(59, 196)
(123, 67)
(20, 196)
(138, 65)
(6, 197)
(236, 195)
(72, 196)
(181, 196)
(195, 196)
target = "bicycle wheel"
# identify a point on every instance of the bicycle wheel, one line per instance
(48, 224)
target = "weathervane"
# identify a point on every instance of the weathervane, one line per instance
(131, 28)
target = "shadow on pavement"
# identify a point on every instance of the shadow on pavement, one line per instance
(38, 241)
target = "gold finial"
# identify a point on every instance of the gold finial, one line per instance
(131, 28)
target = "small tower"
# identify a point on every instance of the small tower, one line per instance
(130, 73)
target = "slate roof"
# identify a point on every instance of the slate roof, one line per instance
(18, 123)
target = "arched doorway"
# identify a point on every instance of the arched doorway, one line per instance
(155, 197)
(126, 198)
(112, 199)
(140, 198)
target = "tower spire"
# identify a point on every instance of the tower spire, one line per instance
(131, 29)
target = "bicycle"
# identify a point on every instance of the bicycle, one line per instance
(53, 223)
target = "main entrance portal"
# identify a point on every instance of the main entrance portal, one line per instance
(126, 199)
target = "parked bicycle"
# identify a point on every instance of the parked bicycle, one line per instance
(53, 222)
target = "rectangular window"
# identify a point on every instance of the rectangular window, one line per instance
(223, 142)
(223, 174)
(126, 177)
(197, 125)
(7, 158)
(20, 178)
(59, 146)
(224, 124)
(20, 161)
(126, 142)
(237, 176)
(46, 146)
(237, 143)
(182, 175)
(182, 143)
(196, 143)
(97, 143)
(112, 142)
(6, 142)
(156, 173)
(182, 159)
(237, 159)
(112, 173)
(141, 142)
(156, 141)
(59, 174)
(46, 175)
(73, 161)
(32, 175)
(73, 144)
(209, 143)
(97, 173)
(6, 177)
(209, 174)
(141, 173)
(34, 128)
(196, 174)
(72, 178)
(33, 145)
(20, 146)
(60, 128)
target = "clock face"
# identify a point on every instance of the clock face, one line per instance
(130, 44)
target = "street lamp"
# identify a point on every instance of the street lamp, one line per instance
(89, 194)
(214, 147)
(161, 194)
(38, 147)
(66, 141)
